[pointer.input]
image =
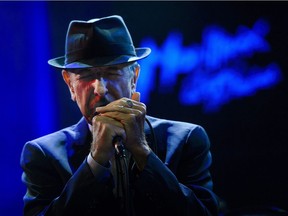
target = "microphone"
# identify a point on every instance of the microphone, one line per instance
(118, 145)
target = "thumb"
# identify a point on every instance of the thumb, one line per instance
(136, 96)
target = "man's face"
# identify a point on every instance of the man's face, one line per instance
(94, 87)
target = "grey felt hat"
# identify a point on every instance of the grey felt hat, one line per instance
(98, 42)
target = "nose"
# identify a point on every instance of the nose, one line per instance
(100, 87)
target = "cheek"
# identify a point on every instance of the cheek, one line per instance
(120, 89)
(82, 96)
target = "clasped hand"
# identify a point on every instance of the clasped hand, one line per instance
(120, 118)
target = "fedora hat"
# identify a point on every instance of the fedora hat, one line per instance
(98, 42)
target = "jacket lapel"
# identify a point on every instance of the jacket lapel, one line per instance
(79, 144)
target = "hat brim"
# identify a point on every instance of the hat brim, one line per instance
(100, 61)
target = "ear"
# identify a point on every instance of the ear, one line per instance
(67, 78)
(135, 78)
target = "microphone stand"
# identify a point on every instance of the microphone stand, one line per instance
(122, 169)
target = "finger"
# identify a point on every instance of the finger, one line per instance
(125, 105)
(120, 115)
(105, 119)
(136, 96)
(103, 124)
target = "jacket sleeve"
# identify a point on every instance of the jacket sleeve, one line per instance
(188, 189)
(45, 194)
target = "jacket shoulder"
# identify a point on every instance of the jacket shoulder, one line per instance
(55, 147)
(179, 134)
(173, 124)
(72, 134)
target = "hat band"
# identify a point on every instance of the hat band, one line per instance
(99, 52)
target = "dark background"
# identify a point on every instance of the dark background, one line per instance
(248, 135)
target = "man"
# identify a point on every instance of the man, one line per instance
(116, 159)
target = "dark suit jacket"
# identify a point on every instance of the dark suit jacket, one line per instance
(175, 181)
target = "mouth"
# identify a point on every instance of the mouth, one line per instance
(102, 102)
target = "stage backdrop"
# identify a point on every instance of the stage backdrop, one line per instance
(222, 65)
